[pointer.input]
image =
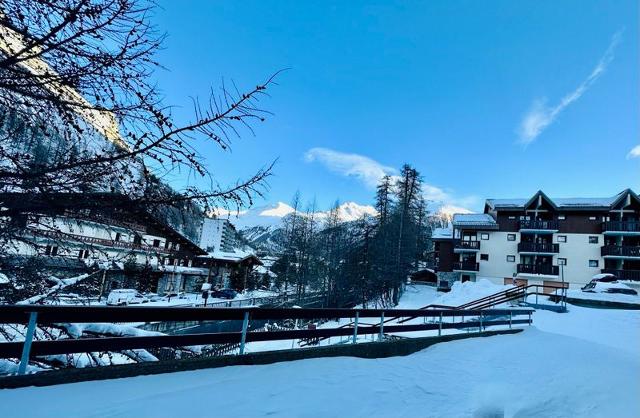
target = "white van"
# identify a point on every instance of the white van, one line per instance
(125, 297)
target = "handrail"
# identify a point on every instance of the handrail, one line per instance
(45, 315)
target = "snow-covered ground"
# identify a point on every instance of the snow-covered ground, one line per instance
(584, 363)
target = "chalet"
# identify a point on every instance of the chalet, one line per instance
(93, 231)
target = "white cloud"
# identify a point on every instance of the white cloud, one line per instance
(540, 115)
(370, 172)
(352, 165)
(634, 153)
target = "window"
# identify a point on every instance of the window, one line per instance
(561, 217)
(511, 237)
(156, 243)
(484, 257)
(593, 240)
(593, 263)
(593, 218)
(51, 250)
(512, 217)
(511, 259)
(562, 238)
(118, 236)
(484, 236)
(562, 261)
(137, 239)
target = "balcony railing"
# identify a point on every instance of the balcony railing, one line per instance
(546, 269)
(466, 266)
(539, 225)
(56, 235)
(624, 274)
(538, 247)
(621, 226)
(467, 245)
(620, 251)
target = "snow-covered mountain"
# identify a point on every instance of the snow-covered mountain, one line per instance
(261, 226)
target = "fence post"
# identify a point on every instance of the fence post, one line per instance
(440, 326)
(529, 317)
(480, 321)
(245, 325)
(355, 328)
(28, 339)
(381, 326)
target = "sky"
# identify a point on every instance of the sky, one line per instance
(491, 99)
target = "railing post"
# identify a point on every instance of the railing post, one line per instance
(355, 328)
(529, 317)
(381, 326)
(480, 321)
(245, 325)
(28, 339)
(440, 326)
(510, 318)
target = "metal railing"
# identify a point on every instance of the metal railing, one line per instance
(621, 226)
(42, 315)
(467, 245)
(620, 251)
(624, 274)
(466, 266)
(538, 247)
(539, 225)
(546, 269)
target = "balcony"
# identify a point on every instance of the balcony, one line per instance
(62, 237)
(624, 274)
(466, 246)
(620, 251)
(538, 226)
(538, 247)
(621, 228)
(466, 266)
(542, 269)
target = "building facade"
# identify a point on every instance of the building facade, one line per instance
(538, 240)
(218, 235)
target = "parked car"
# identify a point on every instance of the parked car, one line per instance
(153, 297)
(224, 294)
(125, 297)
(598, 286)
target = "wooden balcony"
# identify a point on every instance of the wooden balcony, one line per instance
(466, 266)
(621, 227)
(620, 251)
(59, 236)
(462, 246)
(538, 226)
(538, 247)
(624, 274)
(543, 269)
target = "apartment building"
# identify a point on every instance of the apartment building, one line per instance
(542, 239)
(218, 235)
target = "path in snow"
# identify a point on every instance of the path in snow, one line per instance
(532, 374)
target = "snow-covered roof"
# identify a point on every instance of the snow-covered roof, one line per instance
(474, 220)
(442, 233)
(234, 257)
(561, 202)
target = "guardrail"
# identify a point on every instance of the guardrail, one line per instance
(34, 315)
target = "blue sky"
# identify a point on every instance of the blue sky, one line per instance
(486, 99)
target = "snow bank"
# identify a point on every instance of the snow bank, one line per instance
(462, 293)
(532, 374)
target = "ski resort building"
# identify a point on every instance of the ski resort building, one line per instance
(540, 239)
(218, 235)
(71, 233)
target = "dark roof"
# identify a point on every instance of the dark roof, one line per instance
(572, 203)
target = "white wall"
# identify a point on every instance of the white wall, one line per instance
(498, 247)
